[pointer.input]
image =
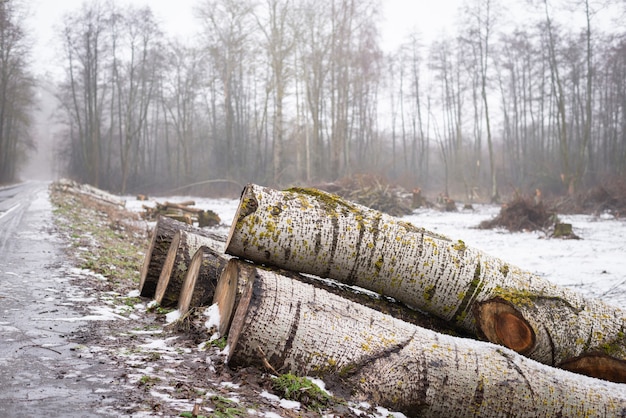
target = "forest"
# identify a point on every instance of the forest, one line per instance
(283, 92)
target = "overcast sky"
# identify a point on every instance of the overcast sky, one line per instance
(400, 17)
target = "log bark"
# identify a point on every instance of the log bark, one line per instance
(162, 235)
(294, 327)
(182, 248)
(201, 278)
(314, 232)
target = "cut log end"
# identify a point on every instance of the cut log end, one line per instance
(225, 295)
(599, 366)
(166, 271)
(500, 323)
(247, 205)
(189, 285)
(147, 289)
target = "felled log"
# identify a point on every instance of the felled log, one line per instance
(70, 186)
(182, 248)
(162, 235)
(198, 287)
(289, 326)
(314, 232)
(183, 212)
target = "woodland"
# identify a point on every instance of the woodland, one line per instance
(284, 92)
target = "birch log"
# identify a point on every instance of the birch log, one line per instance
(294, 327)
(201, 278)
(162, 235)
(314, 232)
(182, 248)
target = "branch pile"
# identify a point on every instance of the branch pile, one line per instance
(373, 192)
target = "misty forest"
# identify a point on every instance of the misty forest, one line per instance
(283, 92)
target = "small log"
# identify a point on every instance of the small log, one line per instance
(162, 235)
(201, 278)
(89, 191)
(314, 232)
(289, 326)
(182, 248)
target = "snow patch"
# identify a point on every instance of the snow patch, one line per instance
(213, 316)
(172, 316)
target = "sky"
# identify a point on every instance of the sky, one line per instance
(400, 17)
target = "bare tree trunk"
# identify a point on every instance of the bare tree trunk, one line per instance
(162, 235)
(198, 287)
(182, 248)
(313, 232)
(282, 323)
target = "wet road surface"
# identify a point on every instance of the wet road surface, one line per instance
(42, 372)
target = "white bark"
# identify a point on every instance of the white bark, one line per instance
(298, 328)
(314, 232)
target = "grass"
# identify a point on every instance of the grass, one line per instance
(301, 389)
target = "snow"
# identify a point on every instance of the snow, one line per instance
(172, 316)
(213, 316)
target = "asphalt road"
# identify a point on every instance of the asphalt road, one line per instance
(42, 372)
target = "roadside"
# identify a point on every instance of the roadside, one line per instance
(159, 368)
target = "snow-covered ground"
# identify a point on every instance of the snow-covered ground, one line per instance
(594, 265)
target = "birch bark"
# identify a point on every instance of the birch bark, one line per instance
(314, 232)
(298, 328)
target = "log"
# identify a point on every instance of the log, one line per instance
(162, 235)
(201, 278)
(70, 186)
(314, 232)
(182, 248)
(289, 326)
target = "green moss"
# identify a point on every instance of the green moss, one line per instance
(331, 202)
(504, 270)
(460, 246)
(301, 389)
(517, 297)
(429, 292)
(378, 265)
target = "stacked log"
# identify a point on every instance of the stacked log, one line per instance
(173, 274)
(183, 212)
(160, 243)
(279, 324)
(314, 232)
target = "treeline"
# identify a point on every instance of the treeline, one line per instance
(17, 90)
(300, 91)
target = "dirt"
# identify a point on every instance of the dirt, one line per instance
(161, 369)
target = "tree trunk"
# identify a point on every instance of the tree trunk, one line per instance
(291, 326)
(182, 248)
(162, 235)
(201, 278)
(313, 232)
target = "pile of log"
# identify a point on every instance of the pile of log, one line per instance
(101, 196)
(545, 345)
(184, 212)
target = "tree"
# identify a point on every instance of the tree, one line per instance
(17, 94)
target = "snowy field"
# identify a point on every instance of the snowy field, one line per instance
(594, 265)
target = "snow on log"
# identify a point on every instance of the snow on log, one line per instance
(162, 235)
(290, 326)
(182, 248)
(201, 278)
(310, 231)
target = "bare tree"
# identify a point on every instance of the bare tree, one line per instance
(16, 90)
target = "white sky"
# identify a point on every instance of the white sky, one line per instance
(400, 17)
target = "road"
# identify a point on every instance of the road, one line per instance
(42, 372)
